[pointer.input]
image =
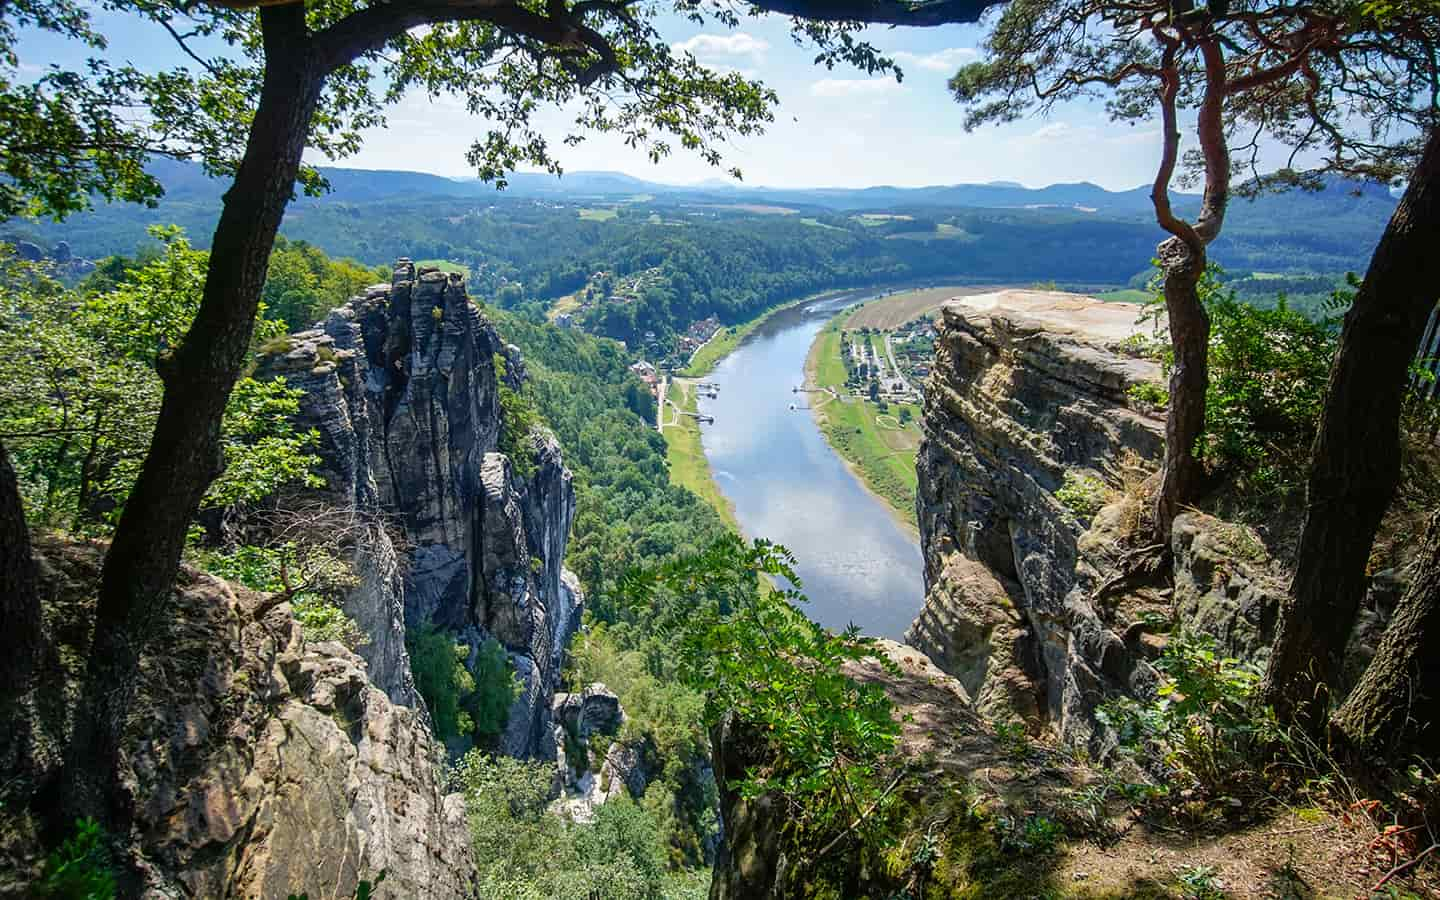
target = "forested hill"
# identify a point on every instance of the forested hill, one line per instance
(681, 254)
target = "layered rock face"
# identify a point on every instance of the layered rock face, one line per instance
(402, 384)
(261, 765)
(1023, 392)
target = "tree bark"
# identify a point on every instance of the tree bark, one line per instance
(1355, 464)
(185, 452)
(1394, 703)
(1182, 474)
(1183, 260)
(926, 13)
(19, 597)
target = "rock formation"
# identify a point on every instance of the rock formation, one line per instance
(402, 385)
(580, 719)
(1022, 393)
(262, 765)
(1034, 606)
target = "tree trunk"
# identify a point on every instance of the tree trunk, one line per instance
(1394, 703)
(1355, 464)
(1182, 473)
(185, 452)
(19, 598)
(1182, 258)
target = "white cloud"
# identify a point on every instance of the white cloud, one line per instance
(947, 60)
(1055, 131)
(853, 87)
(703, 46)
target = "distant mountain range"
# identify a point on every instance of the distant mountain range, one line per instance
(186, 181)
(998, 228)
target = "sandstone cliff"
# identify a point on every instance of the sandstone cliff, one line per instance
(260, 766)
(263, 764)
(1024, 391)
(402, 385)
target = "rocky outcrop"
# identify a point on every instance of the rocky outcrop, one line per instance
(582, 723)
(947, 755)
(402, 384)
(1024, 392)
(1043, 607)
(259, 765)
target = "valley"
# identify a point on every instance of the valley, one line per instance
(915, 508)
(774, 469)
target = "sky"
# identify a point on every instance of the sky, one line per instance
(835, 128)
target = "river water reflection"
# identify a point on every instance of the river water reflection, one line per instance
(857, 562)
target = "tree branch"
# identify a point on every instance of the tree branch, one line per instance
(180, 39)
(918, 13)
(1160, 191)
(1210, 128)
(369, 29)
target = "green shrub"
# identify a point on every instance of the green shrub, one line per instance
(81, 868)
(754, 655)
(322, 620)
(523, 851)
(438, 664)
(467, 703)
(1205, 728)
(519, 420)
(1269, 369)
(496, 689)
(320, 577)
(1082, 494)
(1148, 395)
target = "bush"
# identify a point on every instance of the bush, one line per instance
(466, 703)
(1269, 370)
(1268, 374)
(438, 664)
(1083, 495)
(496, 689)
(519, 420)
(1148, 395)
(1205, 728)
(320, 577)
(523, 851)
(754, 655)
(322, 620)
(80, 868)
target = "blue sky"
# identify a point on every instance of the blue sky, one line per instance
(833, 128)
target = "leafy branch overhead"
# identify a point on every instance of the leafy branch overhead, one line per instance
(741, 639)
(70, 134)
(1344, 87)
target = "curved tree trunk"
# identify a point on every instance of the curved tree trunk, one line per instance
(185, 452)
(1355, 463)
(1182, 258)
(1395, 701)
(1182, 473)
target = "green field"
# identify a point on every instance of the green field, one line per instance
(444, 265)
(598, 214)
(1125, 295)
(688, 466)
(873, 443)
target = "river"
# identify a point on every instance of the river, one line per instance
(857, 563)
